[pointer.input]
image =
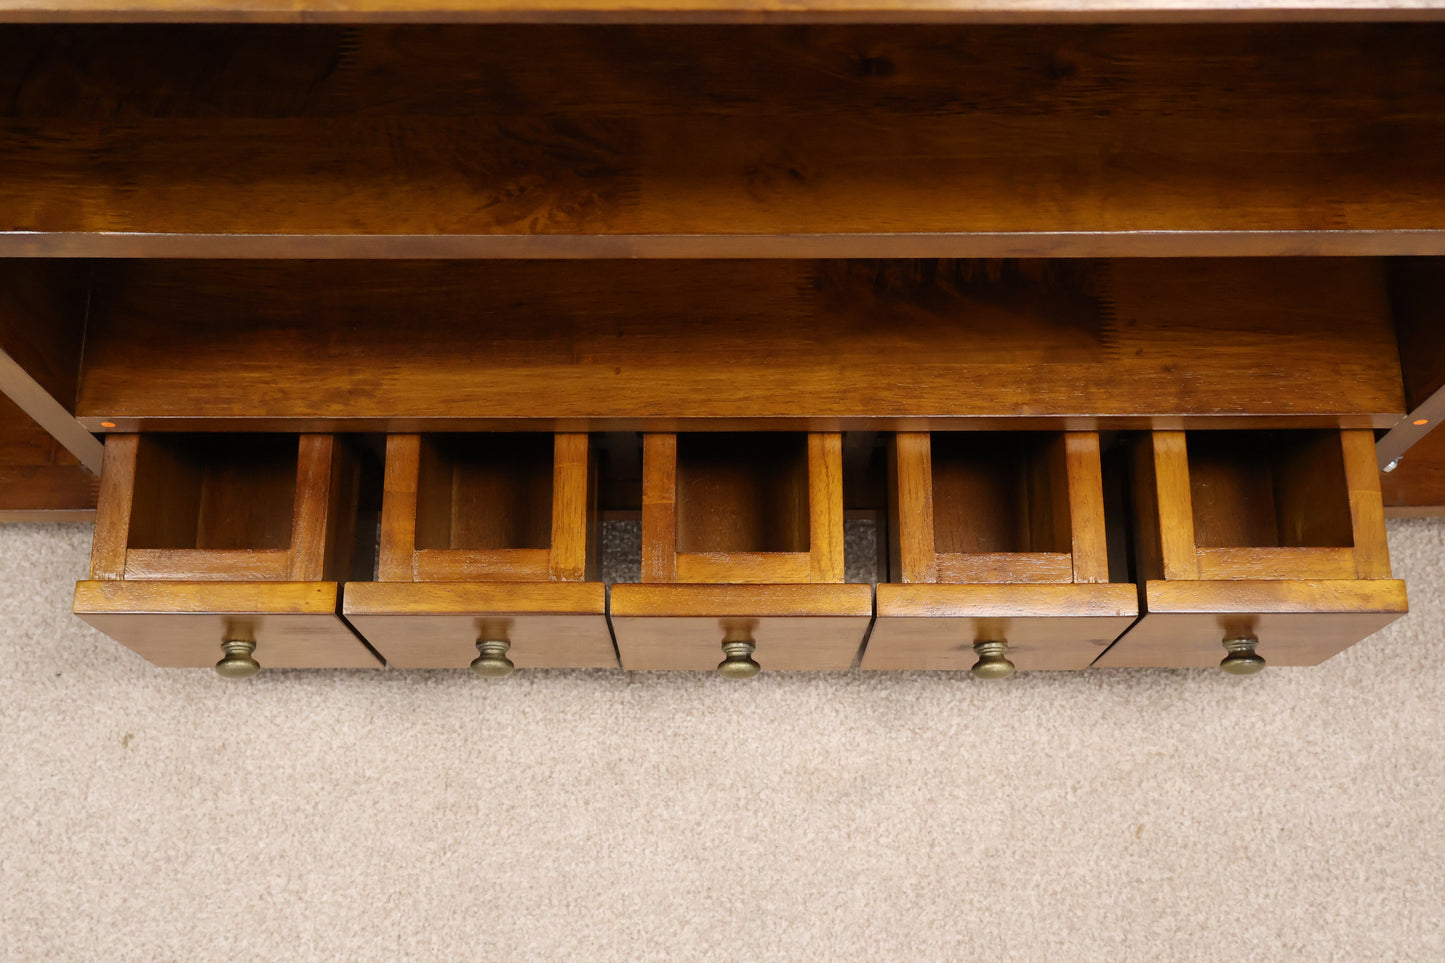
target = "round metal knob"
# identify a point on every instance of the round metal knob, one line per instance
(738, 661)
(491, 661)
(1242, 659)
(992, 663)
(236, 662)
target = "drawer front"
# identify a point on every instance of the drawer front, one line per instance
(294, 625)
(1294, 622)
(547, 625)
(1043, 626)
(793, 627)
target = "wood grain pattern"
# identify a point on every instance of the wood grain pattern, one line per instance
(1004, 567)
(581, 346)
(759, 507)
(39, 479)
(717, 11)
(182, 624)
(196, 564)
(1296, 622)
(1289, 562)
(112, 514)
(1089, 547)
(421, 626)
(574, 509)
(1367, 510)
(396, 558)
(659, 507)
(42, 329)
(688, 141)
(910, 493)
(799, 627)
(934, 627)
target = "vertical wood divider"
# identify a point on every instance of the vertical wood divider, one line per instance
(1085, 475)
(398, 509)
(825, 506)
(313, 501)
(1367, 507)
(659, 507)
(910, 476)
(571, 471)
(112, 513)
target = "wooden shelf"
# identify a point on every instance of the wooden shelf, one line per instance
(721, 141)
(746, 345)
(715, 11)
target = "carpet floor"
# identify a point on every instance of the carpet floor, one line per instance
(1115, 815)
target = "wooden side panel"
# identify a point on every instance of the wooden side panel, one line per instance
(398, 509)
(1367, 509)
(311, 516)
(825, 507)
(1164, 507)
(39, 479)
(1089, 538)
(659, 507)
(113, 510)
(572, 494)
(910, 523)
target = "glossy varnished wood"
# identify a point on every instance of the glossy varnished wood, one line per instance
(997, 538)
(715, 11)
(1279, 537)
(182, 624)
(773, 344)
(795, 627)
(1297, 622)
(678, 141)
(436, 626)
(925, 626)
(487, 537)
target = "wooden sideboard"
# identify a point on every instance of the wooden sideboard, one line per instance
(350, 323)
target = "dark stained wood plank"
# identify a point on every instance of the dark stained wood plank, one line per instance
(689, 141)
(39, 479)
(822, 345)
(1416, 486)
(1417, 297)
(42, 328)
(715, 11)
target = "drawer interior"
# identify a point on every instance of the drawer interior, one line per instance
(742, 492)
(213, 491)
(1269, 489)
(999, 492)
(485, 492)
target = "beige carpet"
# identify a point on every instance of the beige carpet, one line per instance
(167, 815)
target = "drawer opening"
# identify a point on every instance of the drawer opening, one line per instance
(742, 492)
(485, 492)
(215, 492)
(998, 492)
(1269, 489)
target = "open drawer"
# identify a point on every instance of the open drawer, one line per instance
(742, 557)
(998, 555)
(488, 556)
(226, 547)
(1257, 547)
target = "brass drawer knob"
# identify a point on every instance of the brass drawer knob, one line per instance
(236, 662)
(1242, 659)
(738, 662)
(992, 663)
(491, 661)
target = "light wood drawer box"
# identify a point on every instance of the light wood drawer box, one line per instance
(202, 540)
(1273, 541)
(742, 546)
(997, 538)
(488, 542)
